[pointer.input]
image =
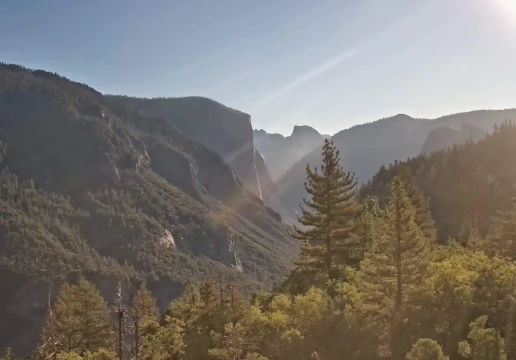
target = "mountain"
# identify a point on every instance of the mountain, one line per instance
(282, 152)
(364, 148)
(466, 184)
(224, 130)
(444, 137)
(90, 185)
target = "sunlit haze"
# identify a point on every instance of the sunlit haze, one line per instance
(328, 64)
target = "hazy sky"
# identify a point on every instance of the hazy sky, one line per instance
(329, 64)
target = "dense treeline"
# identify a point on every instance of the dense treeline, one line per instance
(372, 282)
(467, 183)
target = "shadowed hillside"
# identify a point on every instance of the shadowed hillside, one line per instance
(135, 189)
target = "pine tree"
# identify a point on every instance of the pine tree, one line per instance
(501, 239)
(329, 216)
(475, 241)
(232, 344)
(368, 224)
(48, 347)
(144, 311)
(82, 318)
(394, 266)
(485, 344)
(9, 355)
(420, 202)
(208, 294)
(234, 300)
(120, 311)
(307, 273)
(426, 349)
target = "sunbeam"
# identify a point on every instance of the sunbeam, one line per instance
(304, 78)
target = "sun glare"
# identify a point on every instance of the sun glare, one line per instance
(507, 11)
(509, 6)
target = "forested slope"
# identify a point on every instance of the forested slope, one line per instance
(371, 283)
(466, 184)
(102, 182)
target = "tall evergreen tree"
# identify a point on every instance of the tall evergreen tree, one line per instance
(420, 202)
(501, 239)
(82, 318)
(484, 344)
(9, 355)
(394, 266)
(233, 344)
(144, 311)
(328, 218)
(144, 305)
(307, 273)
(369, 223)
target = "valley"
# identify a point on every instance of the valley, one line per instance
(112, 192)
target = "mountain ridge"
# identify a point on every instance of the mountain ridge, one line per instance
(366, 147)
(157, 205)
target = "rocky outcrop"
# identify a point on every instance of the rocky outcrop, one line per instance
(109, 169)
(268, 189)
(167, 240)
(282, 152)
(173, 165)
(226, 131)
(234, 259)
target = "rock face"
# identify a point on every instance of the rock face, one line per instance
(85, 178)
(229, 133)
(108, 168)
(167, 240)
(269, 192)
(226, 131)
(282, 152)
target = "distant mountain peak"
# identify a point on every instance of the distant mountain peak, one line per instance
(304, 130)
(401, 117)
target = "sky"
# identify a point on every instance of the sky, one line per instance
(329, 64)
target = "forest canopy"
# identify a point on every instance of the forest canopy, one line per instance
(402, 295)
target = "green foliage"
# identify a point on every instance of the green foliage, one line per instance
(466, 183)
(162, 342)
(329, 217)
(369, 223)
(420, 203)
(501, 239)
(9, 355)
(392, 291)
(232, 344)
(90, 185)
(101, 354)
(83, 320)
(69, 356)
(39, 233)
(394, 266)
(144, 306)
(485, 344)
(426, 349)
(145, 314)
